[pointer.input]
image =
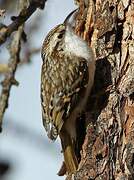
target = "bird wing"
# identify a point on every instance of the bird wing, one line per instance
(62, 87)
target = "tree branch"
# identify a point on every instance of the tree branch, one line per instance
(9, 79)
(14, 49)
(20, 19)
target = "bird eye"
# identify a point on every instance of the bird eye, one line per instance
(60, 35)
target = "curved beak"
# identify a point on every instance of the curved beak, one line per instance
(68, 17)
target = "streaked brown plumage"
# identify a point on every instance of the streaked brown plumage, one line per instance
(66, 80)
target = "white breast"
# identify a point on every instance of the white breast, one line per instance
(76, 45)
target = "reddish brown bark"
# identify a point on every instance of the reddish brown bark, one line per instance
(108, 149)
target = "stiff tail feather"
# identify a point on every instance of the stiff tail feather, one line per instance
(70, 158)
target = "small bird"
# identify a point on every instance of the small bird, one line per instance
(66, 80)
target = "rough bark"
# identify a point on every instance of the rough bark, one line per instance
(108, 149)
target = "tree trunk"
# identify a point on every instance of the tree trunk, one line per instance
(108, 148)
